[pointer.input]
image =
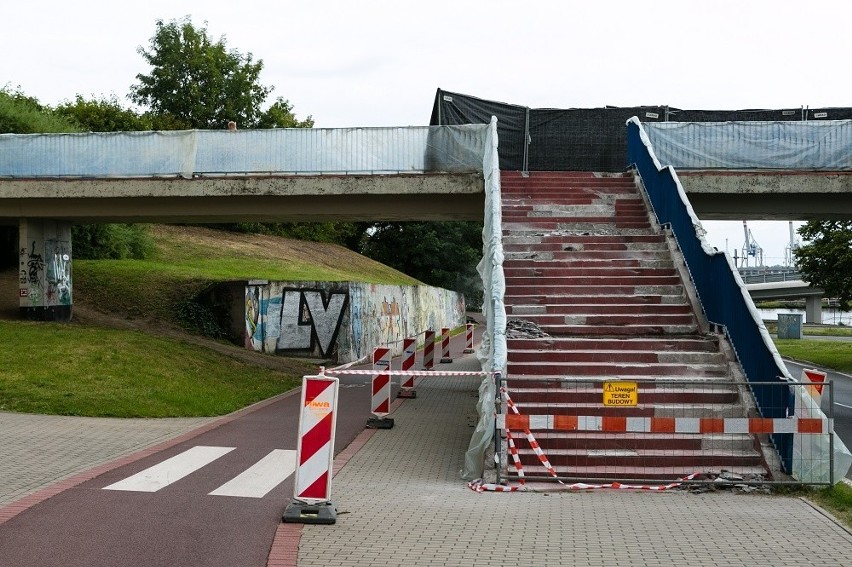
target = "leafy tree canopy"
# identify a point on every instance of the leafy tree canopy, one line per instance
(443, 254)
(103, 115)
(826, 260)
(203, 84)
(22, 114)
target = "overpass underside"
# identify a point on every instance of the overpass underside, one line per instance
(208, 199)
(768, 194)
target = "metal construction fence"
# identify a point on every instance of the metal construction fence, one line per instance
(190, 153)
(656, 431)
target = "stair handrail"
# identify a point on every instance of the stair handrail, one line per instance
(492, 352)
(721, 291)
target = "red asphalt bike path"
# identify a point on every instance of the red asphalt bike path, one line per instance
(78, 523)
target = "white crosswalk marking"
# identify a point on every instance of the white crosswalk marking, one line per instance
(171, 470)
(262, 477)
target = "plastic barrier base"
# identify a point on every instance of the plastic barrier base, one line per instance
(380, 423)
(302, 513)
(408, 394)
(446, 360)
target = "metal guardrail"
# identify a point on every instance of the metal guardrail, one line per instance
(771, 277)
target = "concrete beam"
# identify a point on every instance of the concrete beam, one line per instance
(769, 195)
(243, 198)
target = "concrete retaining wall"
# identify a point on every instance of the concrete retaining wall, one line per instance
(342, 321)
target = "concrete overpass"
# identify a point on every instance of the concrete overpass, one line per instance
(284, 175)
(794, 289)
(768, 194)
(48, 182)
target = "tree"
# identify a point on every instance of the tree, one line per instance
(443, 254)
(103, 115)
(22, 114)
(198, 81)
(280, 115)
(826, 260)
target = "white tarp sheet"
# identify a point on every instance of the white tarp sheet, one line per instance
(492, 350)
(414, 149)
(798, 145)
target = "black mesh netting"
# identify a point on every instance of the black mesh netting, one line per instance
(584, 139)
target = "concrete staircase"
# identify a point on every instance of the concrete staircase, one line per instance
(584, 263)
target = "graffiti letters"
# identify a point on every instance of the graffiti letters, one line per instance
(308, 319)
(35, 265)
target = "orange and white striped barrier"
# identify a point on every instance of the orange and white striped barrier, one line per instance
(469, 339)
(445, 346)
(814, 426)
(816, 381)
(381, 390)
(429, 350)
(315, 453)
(409, 355)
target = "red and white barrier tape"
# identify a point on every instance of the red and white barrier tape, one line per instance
(478, 486)
(515, 458)
(434, 373)
(533, 443)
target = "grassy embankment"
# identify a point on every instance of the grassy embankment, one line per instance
(99, 370)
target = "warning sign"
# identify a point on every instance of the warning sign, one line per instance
(620, 394)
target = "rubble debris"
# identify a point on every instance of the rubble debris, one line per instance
(522, 329)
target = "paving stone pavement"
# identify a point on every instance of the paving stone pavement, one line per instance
(401, 501)
(38, 450)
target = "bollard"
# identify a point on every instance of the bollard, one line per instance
(380, 406)
(429, 350)
(445, 346)
(409, 354)
(469, 339)
(315, 453)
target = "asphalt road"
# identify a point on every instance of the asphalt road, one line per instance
(842, 408)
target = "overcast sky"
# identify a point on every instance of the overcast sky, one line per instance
(379, 63)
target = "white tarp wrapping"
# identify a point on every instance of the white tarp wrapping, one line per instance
(492, 350)
(797, 145)
(415, 149)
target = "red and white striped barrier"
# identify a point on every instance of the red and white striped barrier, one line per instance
(409, 355)
(315, 453)
(469, 339)
(817, 382)
(445, 346)
(381, 389)
(429, 350)
(667, 424)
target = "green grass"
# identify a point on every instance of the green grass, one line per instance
(837, 500)
(836, 355)
(184, 265)
(75, 370)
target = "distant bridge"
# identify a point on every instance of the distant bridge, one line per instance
(792, 289)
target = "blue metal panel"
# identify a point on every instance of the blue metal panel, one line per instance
(719, 290)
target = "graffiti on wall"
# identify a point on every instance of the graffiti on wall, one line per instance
(32, 270)
(310, 320)
(294, 319)
(58, 273)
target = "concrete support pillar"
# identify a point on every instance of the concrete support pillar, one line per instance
(45, 291)
(813, 309)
